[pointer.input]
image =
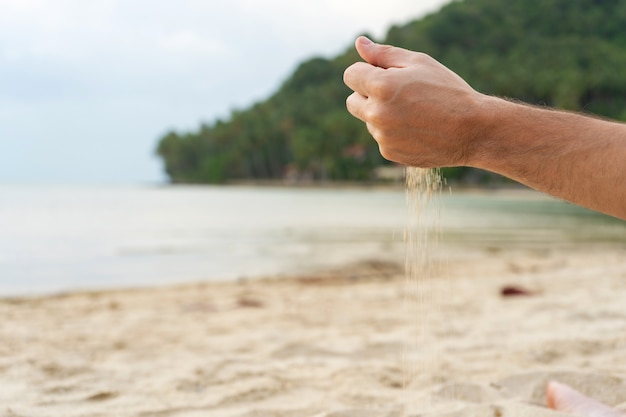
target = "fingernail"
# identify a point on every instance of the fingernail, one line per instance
(365, 41)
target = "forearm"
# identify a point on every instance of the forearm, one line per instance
(574, 157)
(422, 114)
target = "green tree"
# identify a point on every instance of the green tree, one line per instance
(563, 53)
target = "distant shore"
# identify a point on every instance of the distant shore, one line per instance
(394, 185)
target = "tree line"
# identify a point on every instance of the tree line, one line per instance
(569, 54)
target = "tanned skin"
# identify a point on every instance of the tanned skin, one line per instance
(423, 114)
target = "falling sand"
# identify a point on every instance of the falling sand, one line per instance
(420, 356)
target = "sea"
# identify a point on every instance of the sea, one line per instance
(59, 238)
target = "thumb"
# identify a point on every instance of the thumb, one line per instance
(384, 56)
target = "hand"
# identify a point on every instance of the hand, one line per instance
(422, 114)
(419, 111)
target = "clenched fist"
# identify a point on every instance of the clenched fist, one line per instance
(420, 113)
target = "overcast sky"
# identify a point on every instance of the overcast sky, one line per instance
(87, 87)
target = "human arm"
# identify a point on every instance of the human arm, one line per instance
(422, 114)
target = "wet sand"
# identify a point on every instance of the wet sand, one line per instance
(338, 343)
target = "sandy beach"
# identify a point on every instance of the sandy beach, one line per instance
(344, 342)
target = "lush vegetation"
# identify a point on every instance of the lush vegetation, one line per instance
(565, 53)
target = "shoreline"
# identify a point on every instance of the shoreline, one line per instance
(392, 185)
(453, 250)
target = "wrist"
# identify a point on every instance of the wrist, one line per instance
(484, 130)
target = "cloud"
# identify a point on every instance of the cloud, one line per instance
(188, 42)
(115, 74)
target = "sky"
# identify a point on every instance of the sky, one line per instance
(88, 87)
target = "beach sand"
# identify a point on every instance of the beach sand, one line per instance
(340, 343)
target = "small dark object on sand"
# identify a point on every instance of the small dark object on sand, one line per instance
(516, 291)
(246, 302)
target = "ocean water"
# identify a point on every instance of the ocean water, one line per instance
(62, 238)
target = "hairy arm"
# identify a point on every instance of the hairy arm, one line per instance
(577, 158)
(422, 114)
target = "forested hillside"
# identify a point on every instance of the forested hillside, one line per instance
(565, 53)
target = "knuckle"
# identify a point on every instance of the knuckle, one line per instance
(381, 87)
(387, 146)
(379, 116)
(371, 115)
(348, 73)
(377, 134)
(386, 50)
(421, 58)
(351, 104)
(351, 74)
(385, 152)
(349, 100)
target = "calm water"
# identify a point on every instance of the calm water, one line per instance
(58, 238)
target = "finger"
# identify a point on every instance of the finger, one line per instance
(355, 103)
(384, 56)
(359, 75)
(374, 132)
(384, 150)
(563, 398)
